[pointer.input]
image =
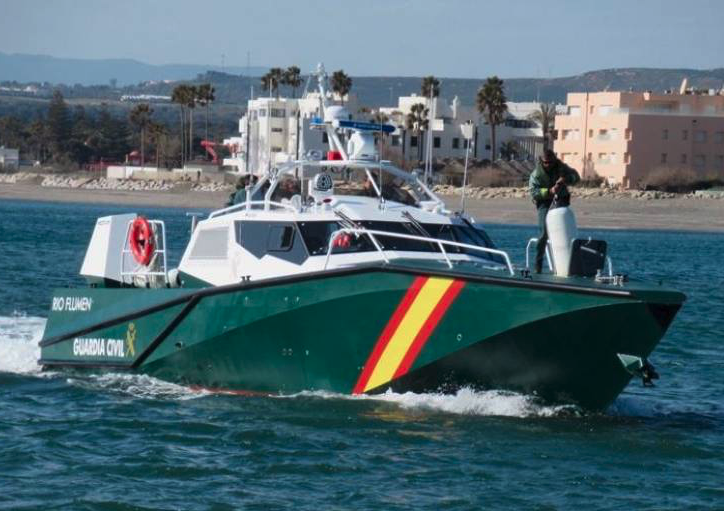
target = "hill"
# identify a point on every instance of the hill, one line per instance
(43, 68)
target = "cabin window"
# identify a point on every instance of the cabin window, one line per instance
(276, 239)
(316, 236)
(436, 142)
(455, 143)
(278, 112)
(280, 238)
(413, 141)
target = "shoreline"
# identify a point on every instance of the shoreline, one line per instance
(670, 214)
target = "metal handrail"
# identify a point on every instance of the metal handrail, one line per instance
(372, 234)
(527, 254)
(249, 205)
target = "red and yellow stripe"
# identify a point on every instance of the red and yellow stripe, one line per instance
(407, 331)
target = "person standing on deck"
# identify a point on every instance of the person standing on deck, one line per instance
(547, 182)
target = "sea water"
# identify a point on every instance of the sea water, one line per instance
(121, 442)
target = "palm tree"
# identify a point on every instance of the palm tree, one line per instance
(430, 83)
(157, 133)
(272, 80)
(417, 121)
(180, 96)
(492, 104)
(545, 117)
(341, 84)
(140, 117)
(205, 93)
(191, 102)
(293, 79)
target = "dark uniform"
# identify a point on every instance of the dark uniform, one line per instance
(548, 170)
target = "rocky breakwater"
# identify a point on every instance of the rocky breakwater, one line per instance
(102, 183)
(580, 193)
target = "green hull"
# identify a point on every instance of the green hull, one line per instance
(367, 330)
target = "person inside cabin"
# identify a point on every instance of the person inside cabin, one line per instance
(286, 189)
(548, 187)
(239, 195)
(391, 190)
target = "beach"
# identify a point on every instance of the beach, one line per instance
(612, 211)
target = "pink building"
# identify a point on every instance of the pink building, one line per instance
(623, 136)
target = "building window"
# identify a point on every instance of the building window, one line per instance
(719, 137)
(413, 141)
(436, 142)
(262, 112)
(665, 134)
(683, 159)
(278, 112)
(276, 149)
(700, 136)
(628, 134)
(604, 135)
(591, 109)
(603, 158)
(455, 143)
(574, 111)
(571, 134)
(699, 161)
(277, 130)
(395, 140)
(664, 158)
(685, 135)
(590, 133)
(627, 158)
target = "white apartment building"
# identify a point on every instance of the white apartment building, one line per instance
(275, 130)
(453, 124)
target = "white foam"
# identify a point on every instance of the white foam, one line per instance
(19, 337)
(464, 402)
(137, 385)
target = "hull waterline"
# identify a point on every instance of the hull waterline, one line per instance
(368, 330)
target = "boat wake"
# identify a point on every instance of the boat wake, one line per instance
(19, 337)
(465, 401)
(139, 386)
(19, 352)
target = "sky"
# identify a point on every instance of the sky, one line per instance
(452, 38)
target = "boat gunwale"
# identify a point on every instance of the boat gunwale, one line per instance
(506, 281)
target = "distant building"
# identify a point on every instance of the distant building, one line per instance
(9, 158)
(454, 123)
(275, 130)
(623, 136)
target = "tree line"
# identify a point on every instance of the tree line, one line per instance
(70, 136)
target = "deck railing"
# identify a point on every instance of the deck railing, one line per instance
(373, 234)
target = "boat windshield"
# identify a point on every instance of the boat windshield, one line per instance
(316, 236)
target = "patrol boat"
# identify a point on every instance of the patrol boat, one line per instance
(306, 285)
